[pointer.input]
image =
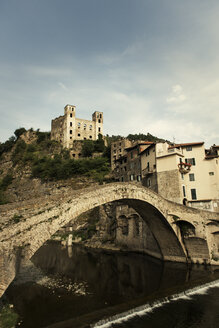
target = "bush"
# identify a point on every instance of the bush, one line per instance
(18, 153)
(87, 148)
(6, 181)
(57, 168)
(7, 145)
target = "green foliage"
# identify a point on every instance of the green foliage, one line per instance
(6, 181)
(8, 317)
(145, 137)
(99, 144)
(87, 148)
(7, 145)
(18, 152)
(19, 132)
(3, 198)
(56, 168)
(42, 136)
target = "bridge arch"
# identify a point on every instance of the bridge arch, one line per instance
(30, 234)
(152, 208)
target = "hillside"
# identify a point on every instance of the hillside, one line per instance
(32, 165)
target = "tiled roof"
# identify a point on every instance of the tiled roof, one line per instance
(187, 144)
(139, 144)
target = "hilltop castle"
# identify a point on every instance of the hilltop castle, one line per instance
(67, 128)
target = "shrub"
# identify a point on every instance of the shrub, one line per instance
(18, 153)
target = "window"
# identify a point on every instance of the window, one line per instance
(193, 193)
(90, 137)
(138, 177)
(99, 129)
(85, 125)
(90, 127)
(148, 183)
(120, 150)
(148, 166)
(147, 152)
(125, 168)
(189, 148)
(211, 173)
(70, 123)
(191, 177)
(70, 137)
(79, 135)
(79, 125)
(131, 177)
(99, 121)
(190, 161)
(70, 131)
(182, 176)
(100, 115)
(70, 114)
(184, 191)
(73, 155)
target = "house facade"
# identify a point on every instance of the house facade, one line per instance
(67, 128)
(184, 173)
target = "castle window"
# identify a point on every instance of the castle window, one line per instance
(85, 125)
(70, 123)
(73, 155)
(211, 173)
(70, 137)
(90, 127)
(90, 137)
(70, 114)
(79, 124)
(70, 131)
(99, 121)
(100, 115)
(99, 129)
(85, 138)
(79, 135)
(189, 148)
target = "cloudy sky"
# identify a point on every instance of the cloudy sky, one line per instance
(149, 65)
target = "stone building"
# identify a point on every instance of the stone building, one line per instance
(118, 149)
(67, 128)
(183, 173)
(128, 167)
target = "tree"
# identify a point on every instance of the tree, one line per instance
(19, 132)
(87, 148)
(99, 144)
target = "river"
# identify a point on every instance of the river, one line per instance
(78, 287)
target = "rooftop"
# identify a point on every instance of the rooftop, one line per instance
(187, 144)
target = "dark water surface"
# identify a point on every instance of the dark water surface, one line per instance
(73, 287)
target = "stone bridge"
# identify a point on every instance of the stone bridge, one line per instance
(182, 233)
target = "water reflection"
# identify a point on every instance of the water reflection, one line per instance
(66, 283)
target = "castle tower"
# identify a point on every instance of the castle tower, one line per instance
(69, 129)
(97, 118)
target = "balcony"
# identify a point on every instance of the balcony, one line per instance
(184, 167)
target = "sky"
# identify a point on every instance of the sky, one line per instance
(151, 66)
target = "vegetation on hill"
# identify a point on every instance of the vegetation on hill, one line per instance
(48, 160)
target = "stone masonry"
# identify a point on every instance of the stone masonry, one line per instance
(37, 222)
